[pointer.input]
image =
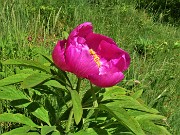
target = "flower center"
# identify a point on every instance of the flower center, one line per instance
(95, 56)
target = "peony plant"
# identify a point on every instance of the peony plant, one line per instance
(45, 99)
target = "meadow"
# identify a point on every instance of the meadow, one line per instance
(29, 28)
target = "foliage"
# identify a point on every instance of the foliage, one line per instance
(27, 31)
(52, 104)
(164, 10)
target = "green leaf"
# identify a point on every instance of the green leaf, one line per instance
(176, 45)
(65, 34)
(31, 133)
(26, 71)
(47, 129)
(18, 118)
(42, 114)
(77, 107)
(113, 92)
(13, 79)
(55, 133)
(21, 103)
(92, 131)
(17, 131)
(35, 79)
(54, 83)
(48, 58)
(11, 93)
(27, 63)
(135, 113)
(137, 94)
(87, 95)
(130, 103)
(150, 117)
(153, 129)
(122, 116)
(164, 130)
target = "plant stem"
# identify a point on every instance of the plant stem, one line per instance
(68, 126)
(78, 84)
(95, 103)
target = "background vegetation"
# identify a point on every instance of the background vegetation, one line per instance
(162, 10)
(153, 41)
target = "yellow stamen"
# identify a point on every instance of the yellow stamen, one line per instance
(95, 56)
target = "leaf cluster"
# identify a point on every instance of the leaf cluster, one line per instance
(48, 103)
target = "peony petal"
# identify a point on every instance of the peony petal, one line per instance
(106, 80)
(115, 54)
(109, 51)
(127, 58)
(81, 30)
(93, 40)
(80, 61)
(58, 55)
(120, 64)
(112, 66)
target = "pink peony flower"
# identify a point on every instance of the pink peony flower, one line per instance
(92, 56)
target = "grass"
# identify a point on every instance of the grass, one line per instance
(28, 28)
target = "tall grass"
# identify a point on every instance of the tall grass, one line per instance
(29, 27)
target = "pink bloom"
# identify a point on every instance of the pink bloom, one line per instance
(92, 56)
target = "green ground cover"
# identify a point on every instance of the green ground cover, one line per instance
(29, 28)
